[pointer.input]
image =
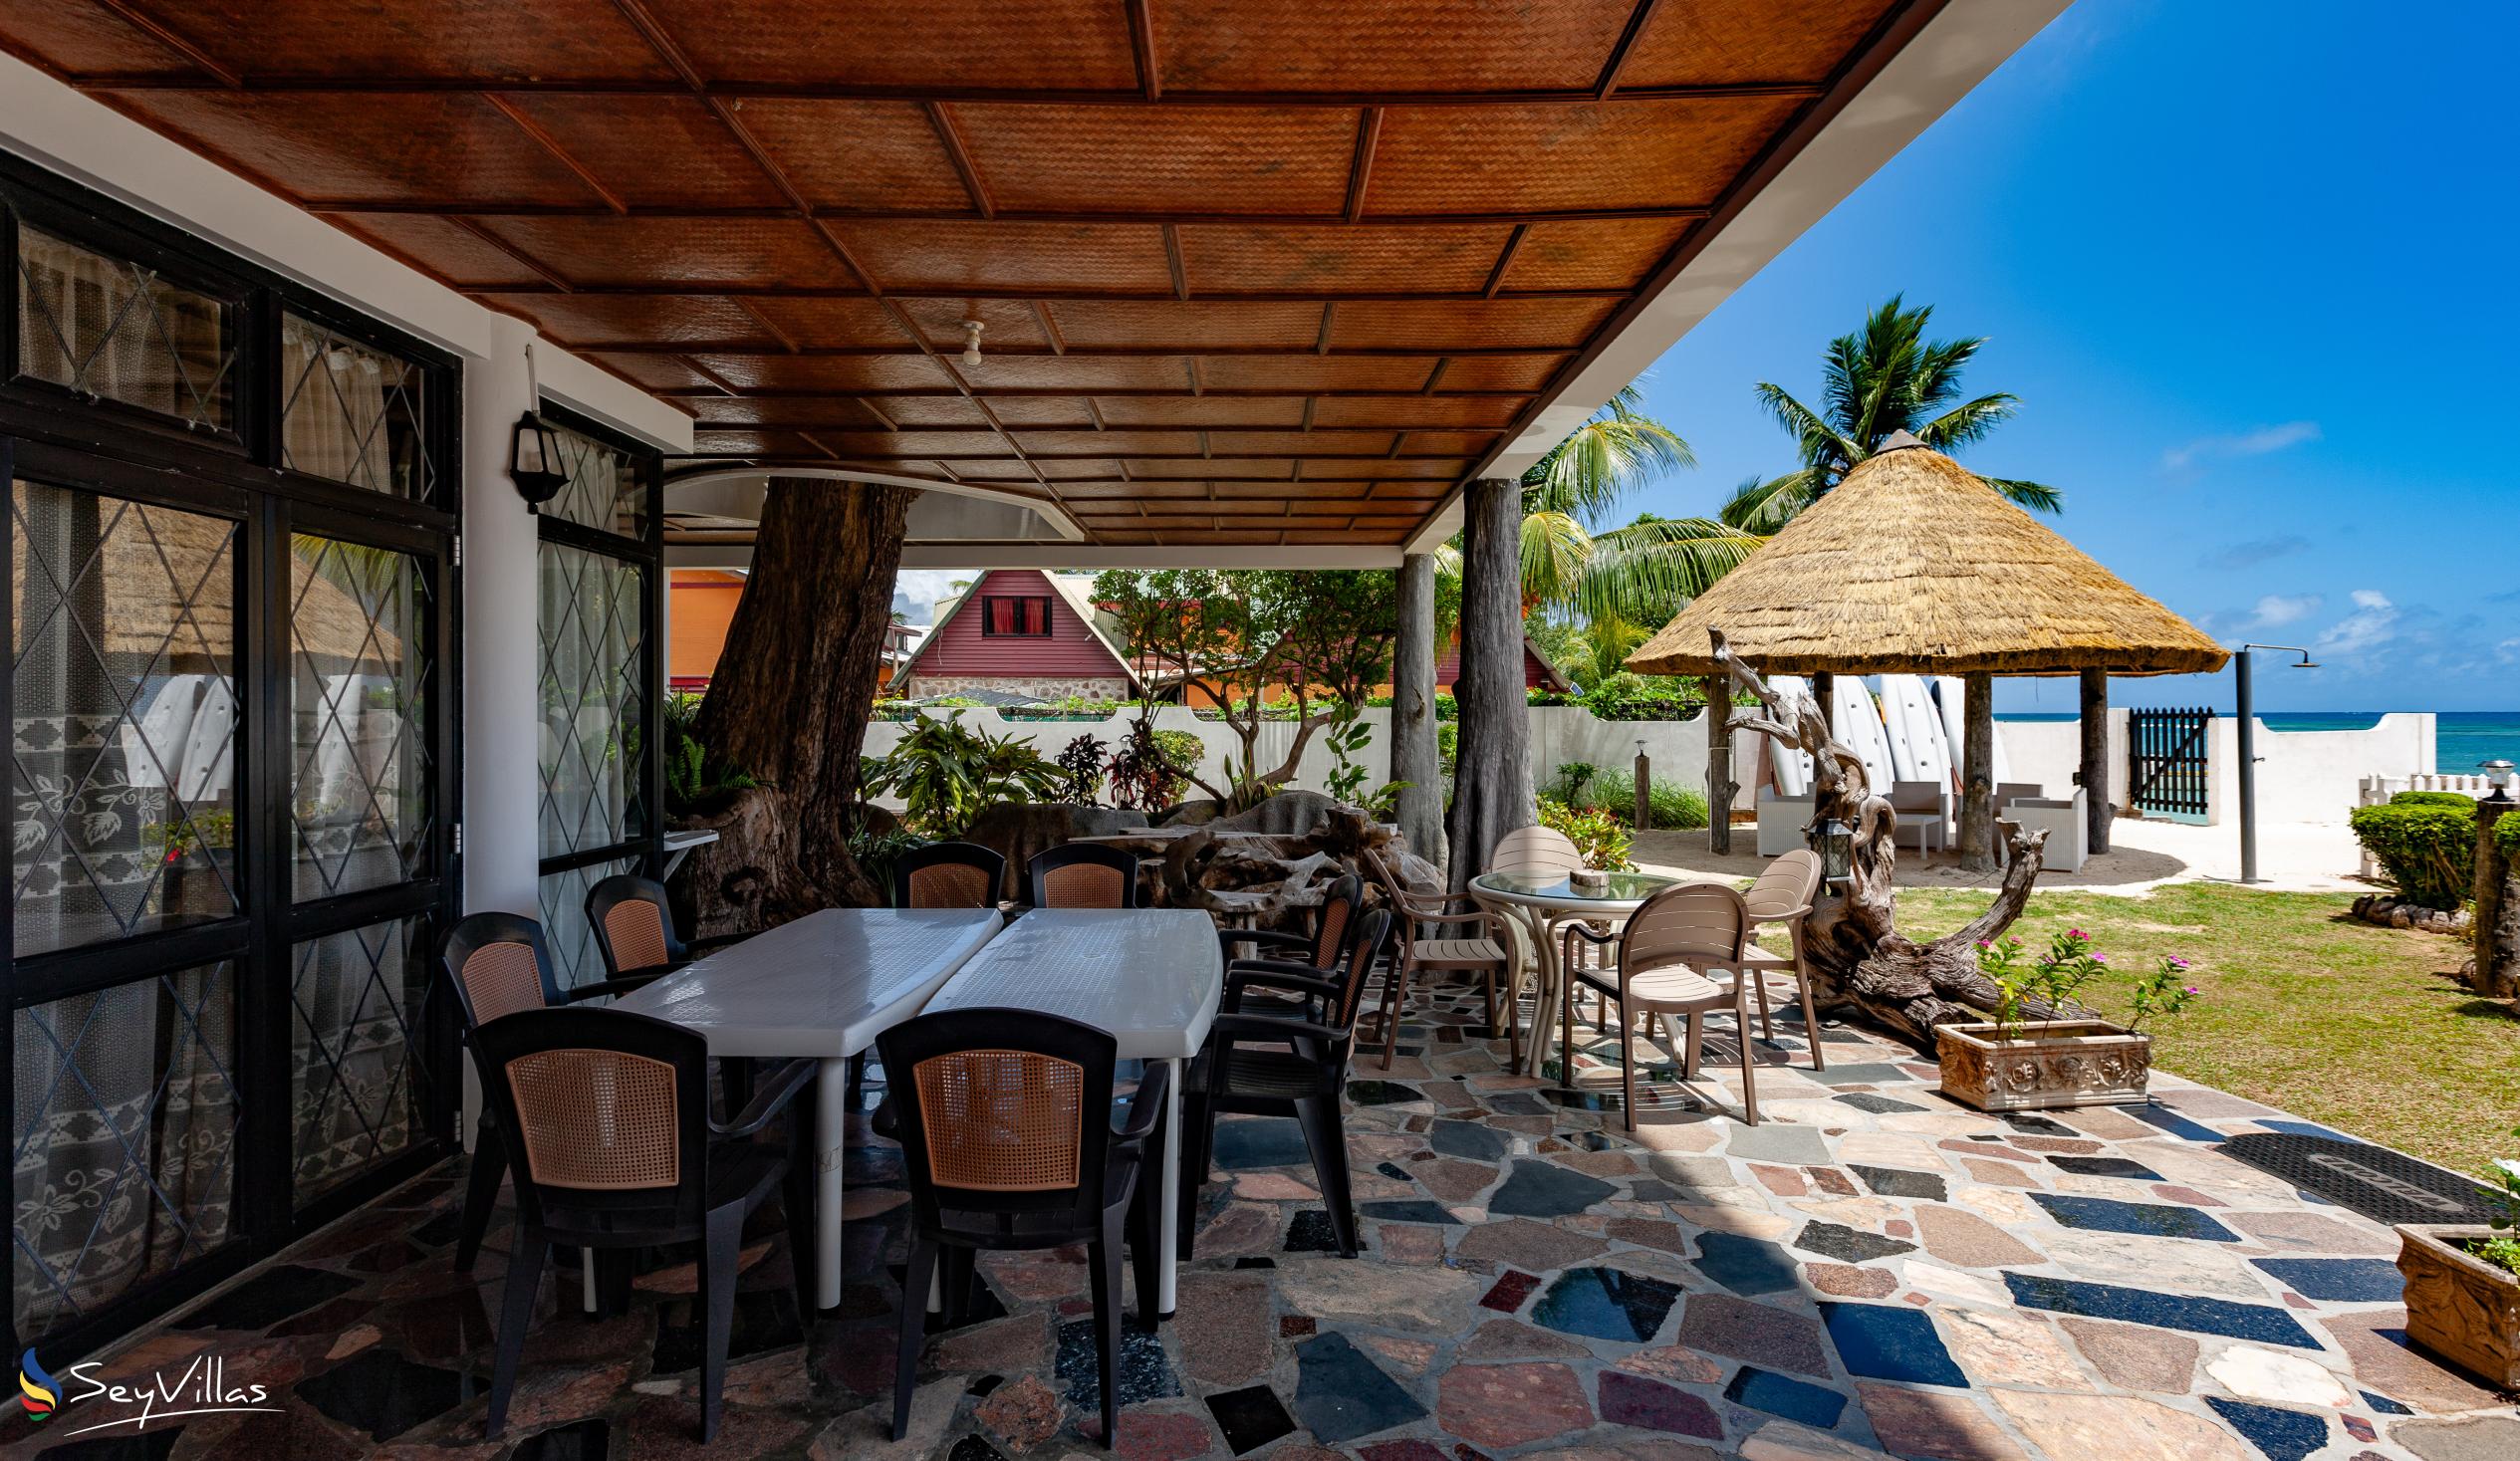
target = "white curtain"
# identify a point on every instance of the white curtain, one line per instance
(333, 405)
(99, 325)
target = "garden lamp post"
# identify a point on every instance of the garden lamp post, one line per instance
(2248, 749)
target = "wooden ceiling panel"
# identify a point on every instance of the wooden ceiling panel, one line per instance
(1499, 372)
(488, 40)
(1299, 258)
(1206, 411)
(446, 148)
(1304, 493)
(1563, 156)
(83, 38)
(776, 373)
(1197, 160)
(664, 372)
(812, 414)
(1447, 444)
(1701, 42)
(1301, 443)
(598, 319)
(855, 153)
(1187, 324)
(831, 322)
(679, 252)
(984, 44)
(936, 444)
(1341, 469)
(1066, 469)
(1205, 469)
(452, 251)
(1534, 324)
(1315, 373)
(1426, 410)
(1397, 46)
(1599, 253)
(1077, 373)
(752, 444)
(1012, 324)
(944, 256)
(995, 469)
(1043, 411)
(650, 151)
(930, 411)
(1108, 444)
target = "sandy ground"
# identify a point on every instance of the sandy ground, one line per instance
(2144, 854)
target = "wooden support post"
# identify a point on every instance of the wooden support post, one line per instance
(1644, 788)
(1977, 769)
(1416, 753)
(2497, 976)
(2098, 810)
(1491, 792)
(1720, 789)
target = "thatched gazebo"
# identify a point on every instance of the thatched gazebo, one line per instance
(1913, 566)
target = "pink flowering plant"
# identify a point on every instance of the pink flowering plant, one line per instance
(2057, 976)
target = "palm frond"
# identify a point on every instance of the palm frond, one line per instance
(1646, 571)
(2036, 496)
(1764, 506)
(1968, 422)
(1553, 548)
(1616, 451)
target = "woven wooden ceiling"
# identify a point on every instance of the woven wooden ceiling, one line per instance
(1252, 272)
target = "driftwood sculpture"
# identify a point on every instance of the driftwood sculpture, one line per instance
(1858, 955)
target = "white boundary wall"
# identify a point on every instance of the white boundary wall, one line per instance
(2303, 776)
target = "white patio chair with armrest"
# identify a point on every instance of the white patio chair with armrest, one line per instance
(1924, 815)
(1680, 954)
(2063, 819)
(1783, 897)
(1783, 823)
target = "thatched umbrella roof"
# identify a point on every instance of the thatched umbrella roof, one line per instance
(1911, 565)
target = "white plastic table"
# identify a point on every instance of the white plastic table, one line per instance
(1150, 977)
(821, 988)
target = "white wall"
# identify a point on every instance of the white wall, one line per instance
(2315, 776)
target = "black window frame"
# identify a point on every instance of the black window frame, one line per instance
(51, 435)
(988, 616)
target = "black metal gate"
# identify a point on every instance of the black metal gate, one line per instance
(2165, 749)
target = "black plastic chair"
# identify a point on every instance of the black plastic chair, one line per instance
(609, 1112)
(498, 965)
(1316, 953)
(948, 875)
(1002, 1116)
(1278, 1066)
(1086, 875)
(633, 928)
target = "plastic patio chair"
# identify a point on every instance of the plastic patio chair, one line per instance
(1085, 876)
(1673, 953)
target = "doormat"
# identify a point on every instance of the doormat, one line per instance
(2383, 1185)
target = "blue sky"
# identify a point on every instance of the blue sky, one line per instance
(2250, 268)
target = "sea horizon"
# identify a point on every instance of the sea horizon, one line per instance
(2461, 739)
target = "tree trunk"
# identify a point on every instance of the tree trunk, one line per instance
(2096, 807)
(2487, 934)
(1720, 787)
(1416, 754)
(1491, 793)
(1977, 777)
(1858, 955)
(790, 702)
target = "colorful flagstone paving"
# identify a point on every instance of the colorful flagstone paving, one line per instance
(1873, 1271)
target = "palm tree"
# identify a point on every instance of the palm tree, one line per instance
(1884, 379)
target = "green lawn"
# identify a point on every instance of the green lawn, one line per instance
(2362, 1029)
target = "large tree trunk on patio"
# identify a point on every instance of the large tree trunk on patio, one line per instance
(1858, 955)
(1416, 751)
(1491, 789)
(789, 704)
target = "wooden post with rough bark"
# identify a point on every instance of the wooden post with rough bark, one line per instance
(2098, 810)
(1720, 787)
(1977, 776)
(1857, 954)
(1417, 752)
(788, 705)
(1491, 792)
(2497, 976)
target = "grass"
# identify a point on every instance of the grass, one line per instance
(2360, 1028)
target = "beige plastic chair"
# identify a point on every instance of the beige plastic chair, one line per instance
(1530, 851)
(1486, 950)
(1783, 895)
(1680, 954)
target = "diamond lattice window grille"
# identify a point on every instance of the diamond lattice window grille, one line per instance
(567, 931)
(357, 1081)
(122, 1159)
(593, 690)
(352, 412)
(110, 328)
(605, 490)
(360, 681)
(123, 717)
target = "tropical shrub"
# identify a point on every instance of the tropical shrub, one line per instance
(1347, 737)
(945, 773)
(874, 851)
(696, 783)
(1602, 838)
(2507, 838)
(2056, 978)
(2427, 850)
(1631, 696)
(1150, 770)
(1573, 778)
(1082, 764)
(2457, 801)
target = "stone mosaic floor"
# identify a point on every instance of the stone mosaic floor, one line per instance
(1871, 1271)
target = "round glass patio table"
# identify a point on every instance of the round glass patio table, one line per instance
(1538, 900)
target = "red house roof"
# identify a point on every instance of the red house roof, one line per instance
(1074, 647)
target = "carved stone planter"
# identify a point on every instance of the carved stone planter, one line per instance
(2060, 1063)
(2458, 1306)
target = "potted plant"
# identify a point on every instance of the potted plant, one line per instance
(2013, 1065)
(2463, 1286)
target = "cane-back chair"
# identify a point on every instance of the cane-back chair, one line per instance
(948, 875)
(1085, 876)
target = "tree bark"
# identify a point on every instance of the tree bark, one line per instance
(1977, 777)
(1416, 754)
(1857, 954)
(790, 702)
(1720, 787)
(1491, 793)
(2098, 810)
(2487, 935)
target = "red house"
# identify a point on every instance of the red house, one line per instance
(1018, 631)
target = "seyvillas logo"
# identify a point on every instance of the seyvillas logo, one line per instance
(200, 1388)
(36, 1389)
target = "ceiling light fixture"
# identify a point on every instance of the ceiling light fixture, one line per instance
(972, 341)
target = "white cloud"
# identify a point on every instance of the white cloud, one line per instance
(915, 590)
(2373, 624)
(2259, 442)
(2508, 651)
(2274, 610)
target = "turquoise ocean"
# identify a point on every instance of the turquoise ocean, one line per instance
(2462, 738)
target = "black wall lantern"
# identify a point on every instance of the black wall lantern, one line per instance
(1835, 841)
(534, 460)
